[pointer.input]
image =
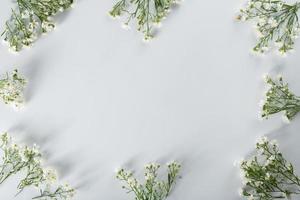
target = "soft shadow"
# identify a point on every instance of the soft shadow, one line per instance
(32, 136)
(288, 138)
(88, 177)
(33, 73)
(277, 69)
(66, 164)
(131, 163)
(44, 138)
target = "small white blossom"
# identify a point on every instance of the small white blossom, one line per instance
(267, 6)
(273, 22)
(262, 140)
(258, 4)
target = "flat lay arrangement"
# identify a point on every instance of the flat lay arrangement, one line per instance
(96, 100)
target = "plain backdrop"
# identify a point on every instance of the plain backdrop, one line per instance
(99, 98)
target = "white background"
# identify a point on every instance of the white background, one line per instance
(99, 98)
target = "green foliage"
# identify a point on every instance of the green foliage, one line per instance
(27, 162)
(276, 22)
(268, 175)
(30, 19)
(152, 189)
(11, 88)
(280, 99)
(147, 13)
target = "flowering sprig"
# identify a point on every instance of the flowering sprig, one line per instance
(30, 19)
(145, 12)
(63, 192)
(280, 99)
(276, 21)
(268, 175)
(11, 88)
(152, 188)
(28, 161)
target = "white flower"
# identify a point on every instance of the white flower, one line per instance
(25, 14)
(265, 48)
(273, 23)
(267, 6)
(241, 192)
(262, 140)
(268, 176)
(257, 4)
(279, 6)
(47, 26)
(274, 143)
(11, 89)
(261, 103)
(132, 182)
(50, 176)
(271, 158)
(154, 166)
(126, 26)
(262, 21)
(266, 77)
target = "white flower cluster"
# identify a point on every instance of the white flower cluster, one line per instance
(280, 99)
(146, 13)
(153, 188)
(276, 22)
(27, 161)
(268, 175)
(30, 19)
(62, 192)
(11, 89)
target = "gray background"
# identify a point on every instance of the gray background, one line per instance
(99, 98)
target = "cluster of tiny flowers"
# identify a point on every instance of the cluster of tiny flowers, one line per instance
(11, 89)
(280, 99)
(268, 175)
(62, 192)
(27, 161)
(276, 22)
(146, 13)
(152, 188)
(30, 19)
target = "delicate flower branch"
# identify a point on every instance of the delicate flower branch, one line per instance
(145, 12)
(11, 88)
(30, 19)
(27, 160)
(152, 189)
(62, 192)
(276, 21)
(280, 99)
(268, 175)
